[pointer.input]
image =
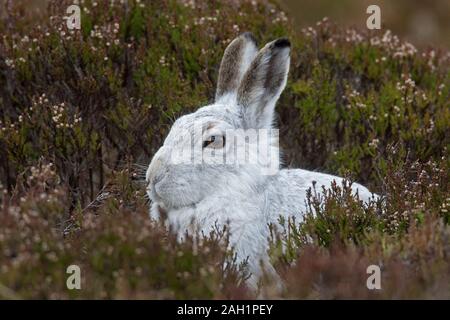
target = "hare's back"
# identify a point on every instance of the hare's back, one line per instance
(287, 194)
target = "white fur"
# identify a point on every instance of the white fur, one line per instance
(201, 196)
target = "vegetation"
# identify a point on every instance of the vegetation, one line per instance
(82, 113)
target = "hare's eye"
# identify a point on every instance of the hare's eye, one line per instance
(215, 142)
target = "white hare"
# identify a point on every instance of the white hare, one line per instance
(212, 192)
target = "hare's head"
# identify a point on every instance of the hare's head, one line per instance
(225, 147)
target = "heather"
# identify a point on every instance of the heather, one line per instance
(82, 113)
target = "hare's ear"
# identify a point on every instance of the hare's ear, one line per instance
(263, 83)
(236, 60)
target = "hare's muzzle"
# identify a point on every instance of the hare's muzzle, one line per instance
(155, 171)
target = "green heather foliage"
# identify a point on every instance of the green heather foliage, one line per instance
(82, 113)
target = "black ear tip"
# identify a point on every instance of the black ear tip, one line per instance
(282, 43)
(249, 36)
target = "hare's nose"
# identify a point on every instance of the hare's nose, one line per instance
(156, 168)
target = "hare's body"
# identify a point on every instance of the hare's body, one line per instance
(212, 192)
(248, 213)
